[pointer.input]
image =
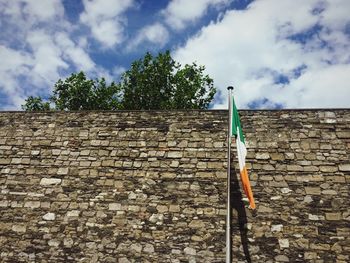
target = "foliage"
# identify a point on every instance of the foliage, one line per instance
(35, 104)
(79, 93)
(152, 83)
(160, 83)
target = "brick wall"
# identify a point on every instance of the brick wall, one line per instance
(151, 187)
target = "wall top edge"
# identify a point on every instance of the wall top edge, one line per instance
(191, 110)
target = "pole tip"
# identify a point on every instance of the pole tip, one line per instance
(229, 88)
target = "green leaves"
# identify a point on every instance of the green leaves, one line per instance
(152, 83)
(79, 93)
(160, 83)
(35, 104)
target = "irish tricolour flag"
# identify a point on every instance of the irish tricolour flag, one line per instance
(236, 130)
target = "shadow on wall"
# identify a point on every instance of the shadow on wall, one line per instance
(241, 220)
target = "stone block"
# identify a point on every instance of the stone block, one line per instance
(174, 164)
(190, 251)
(343, 134)
(54, 243)
(5, 161)
(148, 248)
(49, 216)
(114, 206)
(283, 242)
(310, 255)
(136, 247)
(276, 228)
(173, 154)
(295, 168)
(32, 204)
(50, 181)
(62, 170)
(109, 163)
(73, 213)
(215, 165)
(281, 258)
(313, 190)
(268, 167)
(19, 228)
(328, 169)
(320, 246)
(4, 203)
(329, 192)
(262, 156)
(196, 224)
(333, 216)
(344, 167)
(134, 208)
(162, 208)
(277, 156)
(264, 209)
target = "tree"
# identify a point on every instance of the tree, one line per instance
(79, 93)
(152, 83)
(35, 104)
(160, 83)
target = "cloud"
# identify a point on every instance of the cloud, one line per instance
(34, 11)
(38, 46)
(278, 53)
(28, 56)
(105, 20)
(180, 12)
(46, 58)
(154, 34)
(73, 52)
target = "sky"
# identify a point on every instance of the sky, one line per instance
(276, 53)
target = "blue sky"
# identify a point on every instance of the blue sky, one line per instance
(277, 54)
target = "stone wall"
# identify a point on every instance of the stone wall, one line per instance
(151, 187)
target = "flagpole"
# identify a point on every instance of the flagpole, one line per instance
(228, 213)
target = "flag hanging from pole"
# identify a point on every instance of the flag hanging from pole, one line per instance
(236, 130)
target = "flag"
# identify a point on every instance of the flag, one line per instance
(236, 130)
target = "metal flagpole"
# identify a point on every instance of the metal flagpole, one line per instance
(228, 214)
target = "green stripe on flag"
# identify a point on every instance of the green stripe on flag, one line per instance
(236, 122)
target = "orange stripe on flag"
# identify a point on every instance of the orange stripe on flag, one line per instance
(246, 187)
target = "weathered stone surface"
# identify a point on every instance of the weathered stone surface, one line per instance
(49, 216)
(262, 156)
(114, 206)
(282, 258)
(19, 228)
(151, 187)
(276, 228)
(344, 167)
(190, 251)
(149, 248)
(62, 171)
(312, 190)
(196, 224)
(50, 181)
(284, 243)
(333, 216)
(73, 213)
(32, 204)
(175, 154)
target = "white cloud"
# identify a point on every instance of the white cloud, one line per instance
(38, 46)
(156, 34)
(42, 10)
(34, 60)
(105, 19)
(251, 48)
(33, 10)
(180, 12)
(47, 58)
(74, 53)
